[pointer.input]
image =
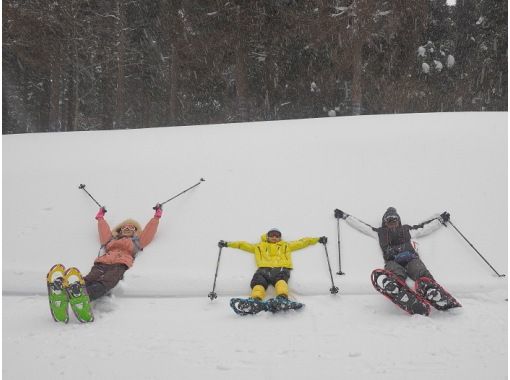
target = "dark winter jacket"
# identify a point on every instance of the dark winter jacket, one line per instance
(396, 244)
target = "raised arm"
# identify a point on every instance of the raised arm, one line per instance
(429, 226)
(302, 243)
(151, 228)
(243, 245)
(105, 233)
(354, 222)
(362, 227)
(149, 232)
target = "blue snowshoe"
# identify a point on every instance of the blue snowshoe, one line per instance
(282, 303)
(245, 306)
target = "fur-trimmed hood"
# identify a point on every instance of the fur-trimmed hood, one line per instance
(116, 229)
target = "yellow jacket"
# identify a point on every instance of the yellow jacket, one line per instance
(273, 255)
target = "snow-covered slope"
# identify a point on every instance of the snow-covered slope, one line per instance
(290, 175)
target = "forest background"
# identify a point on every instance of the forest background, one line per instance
(92, 65)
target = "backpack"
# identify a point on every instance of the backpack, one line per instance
(136, 244)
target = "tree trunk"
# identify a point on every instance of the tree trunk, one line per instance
(7, 121)
(241, 70)
(73, 87)
(54, 122)
(120, 99)
(107, 103)
(356, 76)
(173, 84)
(173, 35)
(72, 101)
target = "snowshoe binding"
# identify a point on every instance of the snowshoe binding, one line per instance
(435, 294)
(57, 295)
(397, 291)
(245, 306)
(282, 303)
(77, 294)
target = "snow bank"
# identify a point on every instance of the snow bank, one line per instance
(289, 174)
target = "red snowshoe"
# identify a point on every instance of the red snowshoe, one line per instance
(397, 291)
(435, 294)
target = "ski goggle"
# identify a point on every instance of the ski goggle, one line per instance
(274, 234)
(391, 218)
(128, 227)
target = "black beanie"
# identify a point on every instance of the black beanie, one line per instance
(390, 212)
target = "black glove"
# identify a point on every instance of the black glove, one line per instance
(339, 214)
(222, 243)
(390, 253)
(323, 240)
(445, 217)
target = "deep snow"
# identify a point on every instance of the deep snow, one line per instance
(291, 174)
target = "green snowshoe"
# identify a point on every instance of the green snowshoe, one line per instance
(77, 293)
(57, 295)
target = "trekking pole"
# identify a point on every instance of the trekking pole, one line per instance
(212, 295)
(82, 186)
(333, 289)
(337, 216)
(182, 192)
(472, 246)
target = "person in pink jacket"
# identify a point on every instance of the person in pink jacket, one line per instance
(119, 247)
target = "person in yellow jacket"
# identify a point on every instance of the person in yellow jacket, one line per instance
(273, 257)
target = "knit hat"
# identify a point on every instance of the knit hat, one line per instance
(390, 213)
(116, 230)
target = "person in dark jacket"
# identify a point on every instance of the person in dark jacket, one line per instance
(395, 240)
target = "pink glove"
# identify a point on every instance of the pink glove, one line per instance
(100, 214)
(159, 211)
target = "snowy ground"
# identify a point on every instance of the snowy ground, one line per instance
(160, 324)
(350, 336)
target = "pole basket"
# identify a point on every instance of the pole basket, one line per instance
(212, 296)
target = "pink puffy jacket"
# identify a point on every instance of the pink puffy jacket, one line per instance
(121, 251)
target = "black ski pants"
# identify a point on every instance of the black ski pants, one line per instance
(414, 269)
(269, 276)
(102, 278)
